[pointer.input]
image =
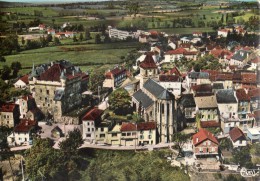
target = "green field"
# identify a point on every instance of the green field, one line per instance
(92, 55)
(30, 10)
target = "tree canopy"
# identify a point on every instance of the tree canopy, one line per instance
(119, 101)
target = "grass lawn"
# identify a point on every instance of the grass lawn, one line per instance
(30, 10)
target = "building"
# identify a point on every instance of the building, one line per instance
(129, 135)
(253, 134)
(25, 103)
(22, 133)
(22, 82)
(197, 78)
(239, 58)
(120, 34)
(228, 109)
(90, 121)
(9, 115)
(206, 107)
(223, 33)
(146, 133)
(57, 88)
(173, 83)
(115, 77)
(153, 102)
(186, 108)
(237, 137)
(204, 144)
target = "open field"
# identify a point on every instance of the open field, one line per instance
(183, 30)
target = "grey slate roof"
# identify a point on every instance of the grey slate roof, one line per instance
(198, 75)
(166, 95)
(154, 88)
(226, 96)
(240, 55)
(140, 96)
(187, 100)
(217, 86)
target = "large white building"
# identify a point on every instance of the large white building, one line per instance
(120, 34)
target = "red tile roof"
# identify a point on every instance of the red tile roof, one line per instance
(248, 78)
(236, 134)
(25, 79)
(148, 62)
(115, 72)
(202, 136)
(169, 78)
(242, 95)
(254, 93)
(146, 126)
(202, 88)
(25, 125)
(256, 60)
(223, 30)
(128, 127)
(224, 76)
(212, 74)
(8, 107)
(175, 71)
(52, 74)
(209, 124)
(185, 45)
(93, 114)
(176, 51)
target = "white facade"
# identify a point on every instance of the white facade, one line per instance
(238, 143)
(174, 87)
(223, 33)
(22, 107)
(20, 84)
(122, 35)
(88, 131)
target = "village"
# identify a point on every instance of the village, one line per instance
(210, 106)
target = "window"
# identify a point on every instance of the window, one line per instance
(40, 98)
(209, 143)
(40, 90)
(208, 116)
(141, 137)
(92, 129)
(114, 134)
(47, 92)
(133, 133)
(102, 129)
(88, 135)
(88, 123)
(128, 134)
(240, 141)
(102, 135)
(150, 137)
(123, 134)
(162, 108)
(88, 129)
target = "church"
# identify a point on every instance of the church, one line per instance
(153, 102)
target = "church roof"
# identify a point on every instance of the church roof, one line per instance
(148, 62)
(145, 100)
(154, 88)
(166, 95)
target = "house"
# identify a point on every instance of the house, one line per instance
(173, 55)
(146, 133)
(204, 144)
(22, 82)
(255, 62)
(239, 58)
(51, 32)
(129, 135)
(253, 134)
(153, 102)
(23, 133)
(254, 95)
(246, 121)
(187, 108)
(223, 33)
(202, 89)
(237, 137)
(206, 107)
(42, 27)
(197, 34)
(25, 103)
(225, 78)
(102, 130)
(32, 29)
(228, 107)
(197, 78)
(35, 114)
(114, 135)
(9, 115)
(90, 121)
(173, 83)
(115, 77)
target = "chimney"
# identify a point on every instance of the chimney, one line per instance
(197, 140)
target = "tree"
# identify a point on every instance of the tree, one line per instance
(96, 78)
(225, 143)
(81, 37)
(23, 41)
(49, 38)
(119, 101)
(180, 139)
(133, 8)
(16, 66)
(242, 157)
(72, 143)
(97, 39)
(2, 58)
(42, 160)
(87, 35)
(75, 38)
(5, 73)
(56, 41)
